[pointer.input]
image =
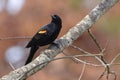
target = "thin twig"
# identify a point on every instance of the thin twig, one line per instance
(12, 38)
(11, 65)
(113, 60)
(107, 68)
(77, 60)
(87, 63)
(83, 70)
(94, 39)
(115, 64)
(115, 76)
(102, 74)
(100, 49)
(83, 51)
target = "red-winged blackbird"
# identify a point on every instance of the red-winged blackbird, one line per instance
(46, 35)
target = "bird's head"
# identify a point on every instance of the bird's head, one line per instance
(56, 19)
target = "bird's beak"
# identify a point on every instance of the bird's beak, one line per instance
(52, 16)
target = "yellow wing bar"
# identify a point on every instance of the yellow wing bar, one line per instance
(42, 31)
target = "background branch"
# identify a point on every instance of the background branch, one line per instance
(11, 38)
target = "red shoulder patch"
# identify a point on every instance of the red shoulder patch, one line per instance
(42, 31)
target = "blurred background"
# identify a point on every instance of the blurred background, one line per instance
(22, 18)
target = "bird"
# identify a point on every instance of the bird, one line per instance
(44, 36)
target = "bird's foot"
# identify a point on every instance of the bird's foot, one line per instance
(55, 43)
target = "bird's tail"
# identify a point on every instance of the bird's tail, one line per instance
(32, 52)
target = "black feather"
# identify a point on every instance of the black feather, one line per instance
(32, 52)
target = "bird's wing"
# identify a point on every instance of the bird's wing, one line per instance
(43, 33)
(47, 30)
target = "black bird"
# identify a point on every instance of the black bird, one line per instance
(46, 35)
